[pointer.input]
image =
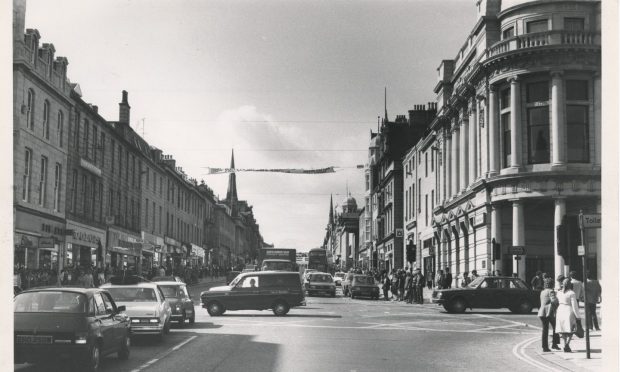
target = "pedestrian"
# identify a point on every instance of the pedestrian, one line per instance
(548, 306)
(401, 285)
(577, 285)
(409, 287)
(420, 287)
(394, 288)
(439, 279)
(559, 282)
(593, 295)
(537, 281)
(447, 282)
(567, 314)
(386, 286)
(465, 279)
(473, 276)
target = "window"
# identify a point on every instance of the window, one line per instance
(43, 182)
(57, 176)
(426, 164)
(148, 176)
(60, 127)
(574, 24)
(577, 133)
(30, 110)
(426, 209)
(86, 139)
(74, 186)
(46, 119)
(419, 194)
(102, 147)
(113, 154)
(110, 202)
(95, 144)
(576, 90)
(505, 123)
(133, 171)
(538, 122)
(508, 33)
(100, 215)
(505, 99)
(153, 225)
(93, 196)
(413, 201)
(160, 219)
(541, 25)
(83, 194)
(26, 177)
(76, 135)
(146, 213)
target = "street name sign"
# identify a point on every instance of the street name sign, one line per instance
(517, 250)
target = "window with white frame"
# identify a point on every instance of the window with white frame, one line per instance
(27, 175)
(30, 110)
(505, 126)
(60, 127)
(43, 182)
(46, 119)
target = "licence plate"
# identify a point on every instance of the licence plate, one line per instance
(30, 339)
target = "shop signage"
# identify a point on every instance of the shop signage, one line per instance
(480, 219)
(90, 167)
(170, 241)
(85, 237)
(46, 242)
(591, 221)
(26, 242)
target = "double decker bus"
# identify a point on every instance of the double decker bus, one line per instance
(317, 259)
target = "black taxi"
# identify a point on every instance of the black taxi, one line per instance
(260, 290)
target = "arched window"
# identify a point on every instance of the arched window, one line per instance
(30, 110)
(46, 119)
(60, 129)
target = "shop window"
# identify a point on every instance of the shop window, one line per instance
(577, 133)
(574, 24)
(541, 25)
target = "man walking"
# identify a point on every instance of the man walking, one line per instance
(577, 285)
(420, 287)
(593, 295)
(447, 282)
(537, 281)
(439, 279)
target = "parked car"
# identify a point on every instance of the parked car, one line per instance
(339, 277)
(169, 278)
(76, 324)
(260, 290)
(16, 290)
(489, 292)
(127, 279)
(321, 283)
(346, 284)
(146, 305)
(231, 275)
(180, 301)
(364, 286)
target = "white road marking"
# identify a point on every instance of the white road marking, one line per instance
(519, 351)
(152, 361)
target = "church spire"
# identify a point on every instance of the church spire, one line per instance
(385, 104)
(231, 194)
(331, 210)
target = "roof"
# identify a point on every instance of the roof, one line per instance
(140, 285)
(269, 273)
(169, 282)
(275, 260)
(64, 289)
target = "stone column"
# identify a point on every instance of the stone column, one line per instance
(596, 98)
(454, 163)
(496, 232)
(473, 141)
(515, 124)
(559, 212)
(518, 235)
(464, 156)
(558, 124)
(493, 129)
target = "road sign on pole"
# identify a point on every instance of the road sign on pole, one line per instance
(581, 250)
(590, 220)
(517, 250)
(582, 226)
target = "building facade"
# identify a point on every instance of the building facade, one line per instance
(518, 133)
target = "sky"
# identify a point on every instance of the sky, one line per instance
(287, 84)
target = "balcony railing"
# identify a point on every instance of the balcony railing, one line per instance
(548, 38)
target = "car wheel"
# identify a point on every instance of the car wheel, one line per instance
(123, 352)
(352, 296)
(192, 320)
(182, 320)
(524, 307)
(214, 308)
(334, 294)
(91, 363)
(167, 326)
(458, 305)
(280, 308)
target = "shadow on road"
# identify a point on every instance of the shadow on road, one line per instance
(487, 313)
(198, 325)
(287, 316)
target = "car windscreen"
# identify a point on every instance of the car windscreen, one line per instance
(132, 294)
(363, 280)
(50, 302)
(324, 278)
(274, 265)
(170, 290)
(340, 275)
(476, 282)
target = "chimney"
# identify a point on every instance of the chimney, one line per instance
(123, 110)
(95, 108)
(19, 20)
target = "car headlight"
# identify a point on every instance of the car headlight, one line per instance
(133, 320)
(178, 307)
(81, 338)
(154, 320)
(439, 294)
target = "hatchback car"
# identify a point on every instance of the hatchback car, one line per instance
(490, 292)
(364, 286)
(321, 283)
(180, 301)
(146, 305)
(259, 290)
(77, 324)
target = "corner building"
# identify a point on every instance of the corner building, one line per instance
(518, 130)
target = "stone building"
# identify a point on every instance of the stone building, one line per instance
(518, 138)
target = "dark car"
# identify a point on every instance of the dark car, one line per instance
(75, 324)
(320, 283)
(346, 284)
(259, 290)
(179, 300)
(364, 286)
(231, 275)
(489, 292)
(169, 278)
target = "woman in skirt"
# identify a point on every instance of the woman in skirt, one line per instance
(567, 313)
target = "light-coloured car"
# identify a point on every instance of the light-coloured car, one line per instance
(339, 277)
(145, 304)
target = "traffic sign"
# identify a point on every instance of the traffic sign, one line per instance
(591, 220)
(518, 250)
(581, 250)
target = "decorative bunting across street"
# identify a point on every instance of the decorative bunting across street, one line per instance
(282, 170)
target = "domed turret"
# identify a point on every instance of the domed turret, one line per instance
(349, 205)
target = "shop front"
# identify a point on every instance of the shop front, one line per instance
(151, 251)
(124, 251)
(197, 256)
(38, 240)
(173, 253)
(84, 245)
